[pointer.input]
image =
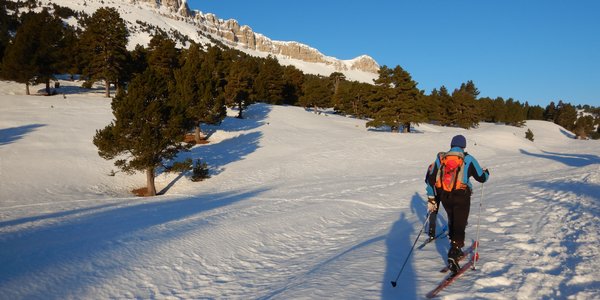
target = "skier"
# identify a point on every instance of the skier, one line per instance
(448, 183)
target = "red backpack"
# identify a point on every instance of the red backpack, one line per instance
(450, 174)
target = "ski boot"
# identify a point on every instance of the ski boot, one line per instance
(454, 255)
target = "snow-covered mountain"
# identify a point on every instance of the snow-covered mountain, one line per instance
(175, 16)
(299, 206)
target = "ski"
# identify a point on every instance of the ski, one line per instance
(450, 278)
(466, 253)
(439, 235)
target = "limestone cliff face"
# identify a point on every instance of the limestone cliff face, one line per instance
(234, 34)
(176, 6)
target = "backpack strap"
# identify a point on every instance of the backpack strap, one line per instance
(456, 153)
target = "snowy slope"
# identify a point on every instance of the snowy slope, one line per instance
(300, 206)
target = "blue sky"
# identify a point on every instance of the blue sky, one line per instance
(536, 51)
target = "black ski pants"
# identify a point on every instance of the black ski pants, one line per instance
(457, 205)
(433, 217)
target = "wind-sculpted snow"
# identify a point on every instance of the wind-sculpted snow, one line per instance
(299, 205)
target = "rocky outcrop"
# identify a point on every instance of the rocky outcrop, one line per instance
(175, 6)
(232, 33)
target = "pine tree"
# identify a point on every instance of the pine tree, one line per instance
(269, 82)
(162, 55)
(398, 103)
(4, 31)
(584, 127)
(137, 63)
(352, 98)
(51, 56)
(500, 110)
(465, 104)
(412, 109)
(72, 63)
(239, 85)
(550, 112)
(448, 109)
(197, 87)
(485, 106)
(515, 113)
(566, 115)
(535, 112)
(336, 78)
(148, 127)
(293, 79)
(104, 44)
(315, 93)
(19, 61)
(382, 106)
(529, 134)
(37, 52)
(433, 106)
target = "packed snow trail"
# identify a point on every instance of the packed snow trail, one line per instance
(299, 205)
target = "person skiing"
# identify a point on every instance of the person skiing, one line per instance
(448, 183)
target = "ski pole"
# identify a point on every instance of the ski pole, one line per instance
(411, 250)
(476, 258)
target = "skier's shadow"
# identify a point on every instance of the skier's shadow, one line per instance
(399, 242)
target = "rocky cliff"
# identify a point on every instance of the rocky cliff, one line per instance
(233, 34)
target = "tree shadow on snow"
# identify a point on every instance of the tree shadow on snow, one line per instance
(573, 160)
(13, 134)
(253, 117)
(219, 154)
(568, 134)
(60, 214)
(67, 257)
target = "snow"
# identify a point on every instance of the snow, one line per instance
(299, 205)
(131, 11)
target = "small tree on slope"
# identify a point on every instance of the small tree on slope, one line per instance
(148, 128)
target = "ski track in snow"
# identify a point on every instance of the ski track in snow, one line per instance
(300, 206)
(547, 248)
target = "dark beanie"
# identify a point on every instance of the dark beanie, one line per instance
(459, 141)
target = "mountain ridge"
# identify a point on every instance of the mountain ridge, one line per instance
(362, 68)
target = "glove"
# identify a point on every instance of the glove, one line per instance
(487, 171)
(431, 204)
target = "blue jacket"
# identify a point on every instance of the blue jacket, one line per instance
(472, 167)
